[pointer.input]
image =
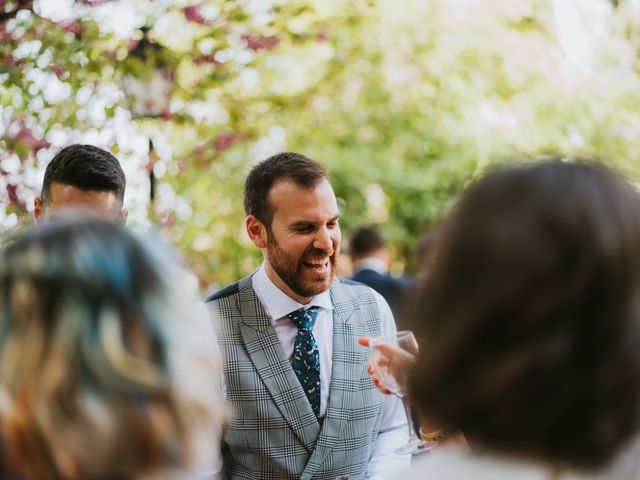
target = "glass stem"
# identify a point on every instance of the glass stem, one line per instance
(407, 410)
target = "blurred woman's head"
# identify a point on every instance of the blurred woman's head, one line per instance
(530, 317)
(97, 360)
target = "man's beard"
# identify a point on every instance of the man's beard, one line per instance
(291, 271)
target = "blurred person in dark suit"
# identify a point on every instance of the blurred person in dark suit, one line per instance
(370, 260)
(101, 376)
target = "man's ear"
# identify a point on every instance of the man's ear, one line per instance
(124, 215)
(257, 231)
(38, 208)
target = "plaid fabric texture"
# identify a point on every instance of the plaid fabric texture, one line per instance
(274, 433)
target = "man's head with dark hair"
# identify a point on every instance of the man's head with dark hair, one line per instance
(529, 317)
(303, 171)
(292, 216)
(83, 177)
(365, 241)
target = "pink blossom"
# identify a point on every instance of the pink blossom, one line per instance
(201, 59)
(71, 26)
(12, 192)
(4, 35)
(166, 113)
(322, 36)
(225, 140)
(59, 71)
(94, 3)
(260, 42)
(192, 13)
(8, 60)
(26, 136)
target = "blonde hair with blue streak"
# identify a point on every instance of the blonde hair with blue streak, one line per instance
(105, 369)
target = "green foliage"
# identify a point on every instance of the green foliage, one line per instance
(405, 102)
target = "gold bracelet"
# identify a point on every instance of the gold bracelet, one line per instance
(437, 436)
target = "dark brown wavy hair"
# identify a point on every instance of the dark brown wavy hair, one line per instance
(529, 320)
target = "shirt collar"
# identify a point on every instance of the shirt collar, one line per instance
(371, 263)
(277, 303)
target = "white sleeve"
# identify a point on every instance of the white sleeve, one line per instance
(204, 322)
(394, 432)
(198, 385)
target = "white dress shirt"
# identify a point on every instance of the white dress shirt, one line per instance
(393, 426)
(371, 263)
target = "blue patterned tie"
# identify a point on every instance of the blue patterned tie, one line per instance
(306, 357)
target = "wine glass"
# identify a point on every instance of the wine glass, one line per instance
(381, 368)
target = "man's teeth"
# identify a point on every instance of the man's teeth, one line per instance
(316, 263)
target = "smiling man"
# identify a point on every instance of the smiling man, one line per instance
(83, 177)
(302, 402)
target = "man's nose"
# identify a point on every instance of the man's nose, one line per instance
(323, 240)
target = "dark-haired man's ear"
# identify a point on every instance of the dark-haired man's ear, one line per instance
(38, 208)
(124, 215)
(256, 231)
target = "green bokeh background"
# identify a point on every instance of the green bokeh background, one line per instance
(406, 102)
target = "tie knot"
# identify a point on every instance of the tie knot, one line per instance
(304, 318)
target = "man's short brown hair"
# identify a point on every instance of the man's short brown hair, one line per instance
(302, 170)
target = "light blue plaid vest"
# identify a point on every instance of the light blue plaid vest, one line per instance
(274, 433)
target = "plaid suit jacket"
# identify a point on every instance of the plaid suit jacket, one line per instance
(274, 433)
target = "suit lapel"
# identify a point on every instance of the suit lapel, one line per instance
(273, 368)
